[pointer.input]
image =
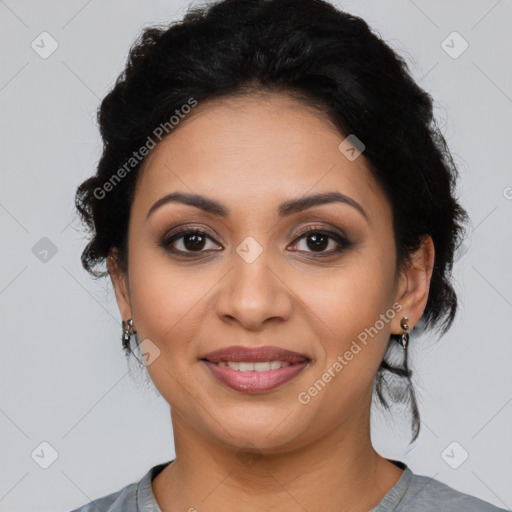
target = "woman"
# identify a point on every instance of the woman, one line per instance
(276, 209)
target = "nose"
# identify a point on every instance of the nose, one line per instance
(252, 294)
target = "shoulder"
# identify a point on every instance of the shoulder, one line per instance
(426, 494)
(134, 497)
(123, 500)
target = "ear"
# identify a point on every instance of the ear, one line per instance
(121, 285)
(414, 284)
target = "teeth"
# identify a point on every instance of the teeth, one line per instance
(262, 366)
(245, 367)
(274, 365)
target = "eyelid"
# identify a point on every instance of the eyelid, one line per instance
(186, 227)
(169, 238)
(322, 229)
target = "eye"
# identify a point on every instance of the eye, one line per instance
(191, 242)
(317, 240)
(186, 242)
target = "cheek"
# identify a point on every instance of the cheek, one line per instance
(352, 311)
(166, 299)
(167, 305)
(349, 299)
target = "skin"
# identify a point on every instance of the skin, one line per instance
(251, 154)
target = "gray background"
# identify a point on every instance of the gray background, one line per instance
(64, 379)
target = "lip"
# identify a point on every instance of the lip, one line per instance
(255, 354)
(254, 381)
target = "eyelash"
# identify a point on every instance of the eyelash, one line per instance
(341, 240)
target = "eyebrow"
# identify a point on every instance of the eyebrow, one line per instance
(287, 208)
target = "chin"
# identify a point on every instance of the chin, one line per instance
(272, 431)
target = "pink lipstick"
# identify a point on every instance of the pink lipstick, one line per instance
(255, 370)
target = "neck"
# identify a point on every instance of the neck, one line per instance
(340, 471)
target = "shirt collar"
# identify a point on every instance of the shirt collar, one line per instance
(146, 501)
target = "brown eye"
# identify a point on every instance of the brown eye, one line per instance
(187, 241)
(317, 241)
(194, 241)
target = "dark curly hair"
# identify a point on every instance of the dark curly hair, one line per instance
(322, 56)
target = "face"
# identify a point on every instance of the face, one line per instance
(254, 265)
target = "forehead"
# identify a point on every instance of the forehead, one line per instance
(253, 152)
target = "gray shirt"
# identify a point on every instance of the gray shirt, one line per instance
(412, 493)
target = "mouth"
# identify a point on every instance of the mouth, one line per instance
(255, 370)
